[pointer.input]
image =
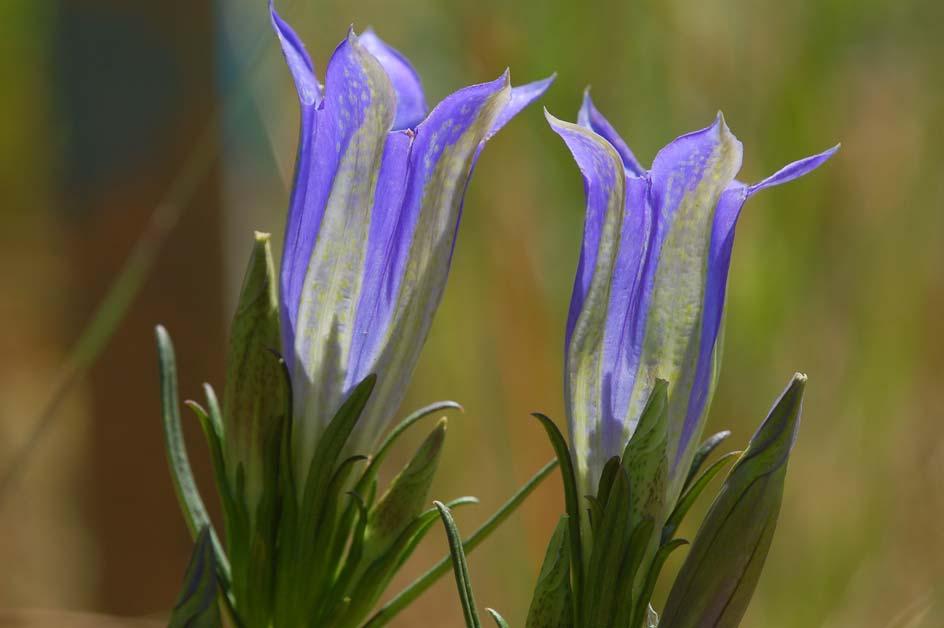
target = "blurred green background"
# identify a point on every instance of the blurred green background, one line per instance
(109, 105)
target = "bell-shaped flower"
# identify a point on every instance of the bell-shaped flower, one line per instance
(648, 298)
(375, 205)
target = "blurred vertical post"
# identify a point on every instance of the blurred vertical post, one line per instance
(134, 92)
(43, 531)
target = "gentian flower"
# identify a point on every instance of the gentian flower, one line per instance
(648, 298)
(375, 205)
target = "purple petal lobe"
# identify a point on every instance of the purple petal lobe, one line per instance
(328, 224)
(591, 118)
(605, 189)
(299, 63)
(719, 264)
(688, 178)
(416, 213)
(521, 97)
(795, 170)
(411, 102)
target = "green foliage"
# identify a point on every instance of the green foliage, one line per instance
(717, 580)
(460, 568)
(551, 603)
(317, 552)
(630, 529)
(197, 604)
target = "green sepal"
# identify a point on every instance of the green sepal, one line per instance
(188, 495)
(253, 404)
(572, 507)
(638, 550)
(406, 495)
(720, 573)
(197, 605)
(459, 567)
(645, 458)
(701, 454)
(551, 602)
(691, 495)
(610, 544)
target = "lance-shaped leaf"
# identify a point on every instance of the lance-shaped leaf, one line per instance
(460, 568)
(188, 495)
(407, 495)
(719, 575)
(649, 292)
(197, 604)
(645, 459)
(253, 399)
(551, 604)
(372, 221)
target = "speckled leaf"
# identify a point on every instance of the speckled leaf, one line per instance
(551, 603)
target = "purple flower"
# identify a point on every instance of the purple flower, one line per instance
(375, 205)
(648, 299)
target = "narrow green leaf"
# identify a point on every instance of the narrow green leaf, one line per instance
(551, 602)
(197, 603)
(639, 547)
(572, 506)
(702, 453)
(459, 567)
(720, 573)
(407, 494)
(606, 556)
(377, 575)
(606, 479)
(214, 443)
(331, 444)
(421, 584)
(643, 607)
(499, 620)
(691, 495)
(195, 513)
(399, 430)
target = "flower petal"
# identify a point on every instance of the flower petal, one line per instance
(688, 178)
(592, 119)
(605, 188)
(411, 102)
(330, 214)
(416, 218)
(795, 170)
(719, 263)
(299, 63)
(520, 97)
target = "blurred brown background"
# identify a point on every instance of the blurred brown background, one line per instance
(839, 275)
